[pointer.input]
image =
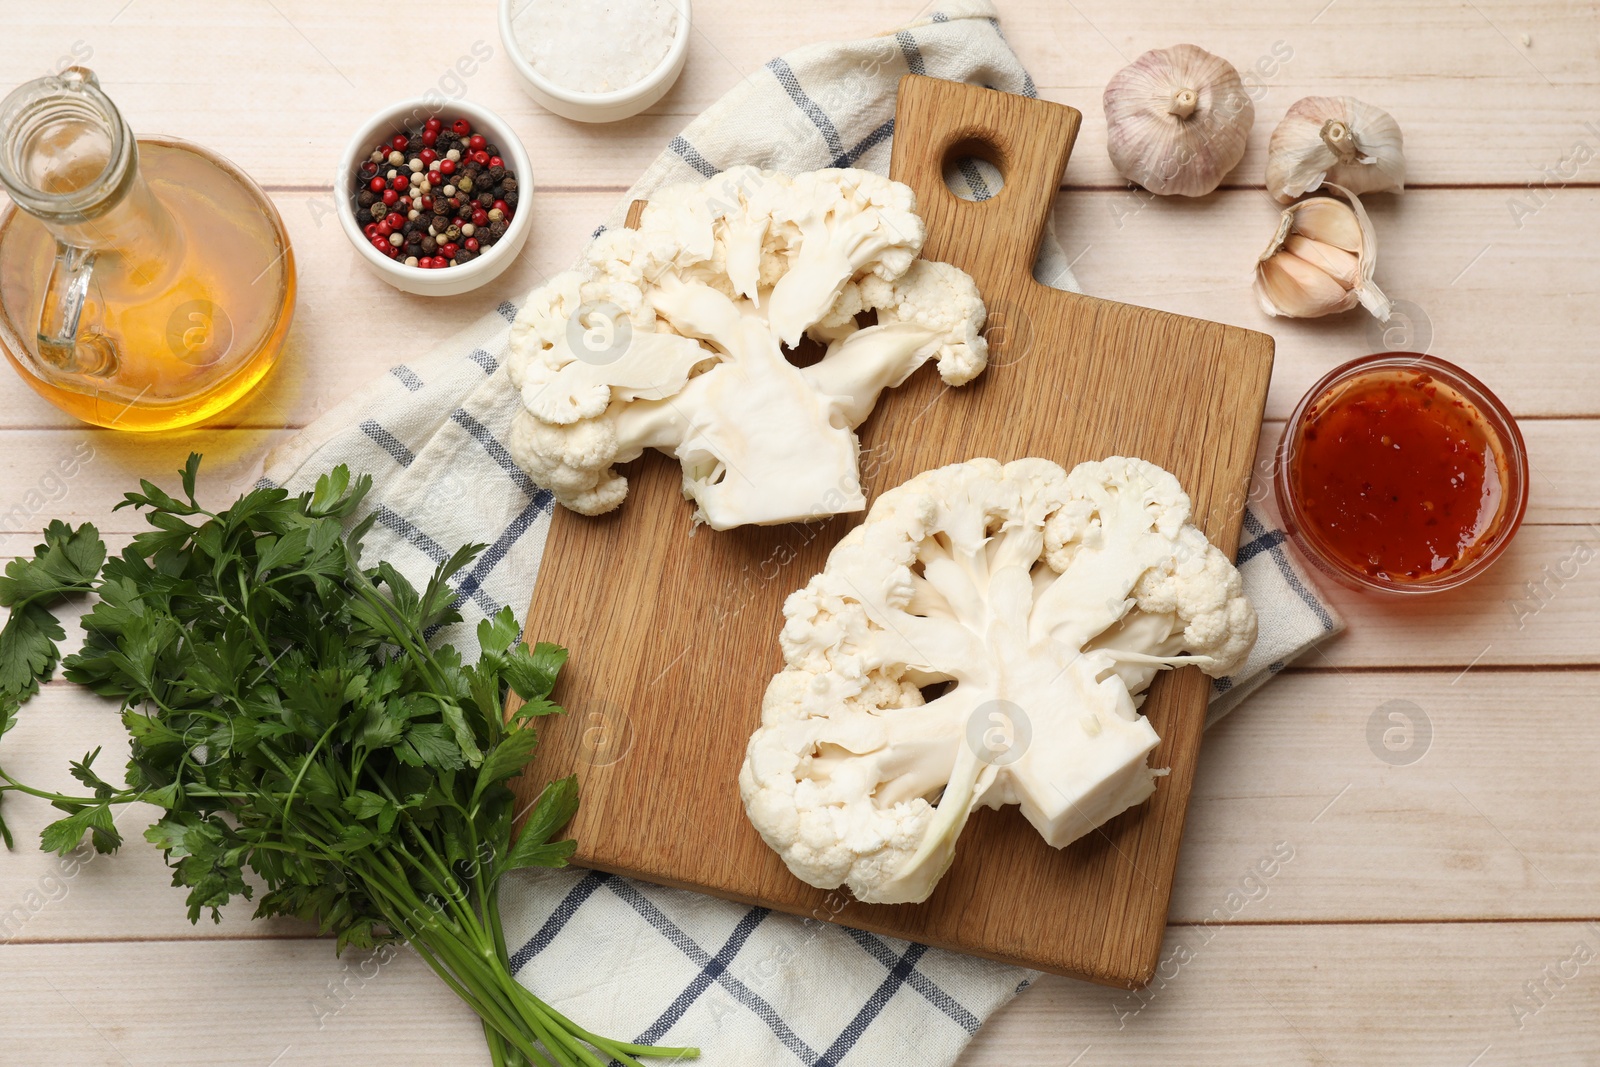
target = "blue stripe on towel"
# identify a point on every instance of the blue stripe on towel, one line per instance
(740, 992)
(791, 85)
(691, 155)
(388, 442)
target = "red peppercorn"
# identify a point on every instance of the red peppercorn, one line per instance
(481, 157)
(435, 179)
(377, 185)
(401, 182)
(427, 155)
(384, 229)
(425, 203)
(500, 205)
(476, 141)
(458, 223)
(430, 137)
(400, 141)
(447, 167)
(462, 127)
(381, 244)
(433, 125)
(395, 220)
(390, 196)
(472, 244)
(448, 250)
(405, 202)
(369, 168)
(496, 161)
(480, 217)
(370, 229)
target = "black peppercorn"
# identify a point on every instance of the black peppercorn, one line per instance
(497, 173)
(429, 246)
(367, 198)
(509, 185)
(510, 197)
(497, 230)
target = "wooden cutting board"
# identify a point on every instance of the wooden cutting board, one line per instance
(674, 632)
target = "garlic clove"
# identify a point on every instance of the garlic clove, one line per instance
(1328, 221)
(1298, 273)
(1342, 266)
(1339, 140)
(1289, 286)
(1176, 120)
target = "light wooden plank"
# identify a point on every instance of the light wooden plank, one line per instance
(1402, 996)
(79, 474)
(1398, 995)
(229, 1004)
(1514, 307)
(278, 88)
(1463, 830)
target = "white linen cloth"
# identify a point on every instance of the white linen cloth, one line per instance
(637, 961)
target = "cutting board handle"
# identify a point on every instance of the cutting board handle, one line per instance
(1027, 140)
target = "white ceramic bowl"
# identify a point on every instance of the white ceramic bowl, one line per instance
(597, 107)
(451, 280)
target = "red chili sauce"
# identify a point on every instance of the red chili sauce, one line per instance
(1398, 475)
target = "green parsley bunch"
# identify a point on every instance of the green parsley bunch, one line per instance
(285, 710)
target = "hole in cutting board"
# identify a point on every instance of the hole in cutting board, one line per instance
(974, 169)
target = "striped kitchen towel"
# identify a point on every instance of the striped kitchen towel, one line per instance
(662, 965)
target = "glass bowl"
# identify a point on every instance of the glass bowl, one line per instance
(1488, 415)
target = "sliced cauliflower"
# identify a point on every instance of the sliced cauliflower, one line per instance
(984, 638)
(673, 336)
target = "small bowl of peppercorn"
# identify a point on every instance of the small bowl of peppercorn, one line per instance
(433, 196)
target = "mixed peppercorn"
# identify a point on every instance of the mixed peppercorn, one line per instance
(435, 196)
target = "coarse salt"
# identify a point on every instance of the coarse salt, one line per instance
(596, 46)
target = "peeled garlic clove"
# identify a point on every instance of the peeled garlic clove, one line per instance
(1176, 120)
(1321, 260)
(1338, 264)
(1335, 139)
(1287, 285)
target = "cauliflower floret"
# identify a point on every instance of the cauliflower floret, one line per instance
(1037, 602)
(944, 300)
(574, 462)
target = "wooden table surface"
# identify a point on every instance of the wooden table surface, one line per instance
(1441, 906)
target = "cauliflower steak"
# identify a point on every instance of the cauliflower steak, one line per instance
(672, 336)
(983, 638)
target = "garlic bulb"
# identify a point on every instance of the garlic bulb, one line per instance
(1321, 261)
(1335, 139)
(1176, 120)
